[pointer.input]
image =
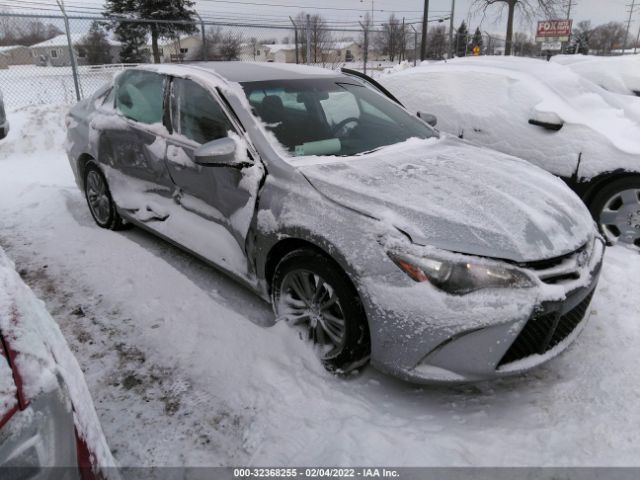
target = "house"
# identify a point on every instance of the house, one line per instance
(181, 49)
(16, 55)
(3, 61)
(55, 51)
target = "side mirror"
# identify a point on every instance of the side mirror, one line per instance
(428, 118)
(218, 153)
(547, 120)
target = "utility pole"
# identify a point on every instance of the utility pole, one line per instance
(425, 21)
(635, 48)
(626, 35)
(415, 44)
(308, 39)
(569, 18)
(365, 55)
(295, 37)
(204, 39)
(72, 54)
(404, 43)
(453, 11)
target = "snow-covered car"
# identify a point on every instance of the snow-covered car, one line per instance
(47, 418)
(4, 123)
(438, 260)
(546, 114)
(619, 74)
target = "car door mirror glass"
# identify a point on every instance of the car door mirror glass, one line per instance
(428, 118)
(546, 120)
(218, 153)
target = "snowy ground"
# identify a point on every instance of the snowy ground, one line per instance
(185, 367)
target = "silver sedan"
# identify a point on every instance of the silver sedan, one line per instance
(379, 238)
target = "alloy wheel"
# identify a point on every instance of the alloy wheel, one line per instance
(308, 300)
(97, 196)
(620, 218)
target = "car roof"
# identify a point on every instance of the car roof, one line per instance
(247, 71)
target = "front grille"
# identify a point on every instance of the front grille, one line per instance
(544, 331)
(560, 269)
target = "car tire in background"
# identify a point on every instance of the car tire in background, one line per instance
(98, 196)
(311, 291)
(616, 210)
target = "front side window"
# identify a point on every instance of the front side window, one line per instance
(140, 96)
(334, 116)
(54, 54)
(195, 114)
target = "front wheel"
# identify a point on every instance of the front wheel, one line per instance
(311, 292)
(616, 209)
(101, 204)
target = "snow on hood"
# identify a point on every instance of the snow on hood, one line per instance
(42, 354)
(554, 88)
(451, 195)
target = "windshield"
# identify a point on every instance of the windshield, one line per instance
(334, 116)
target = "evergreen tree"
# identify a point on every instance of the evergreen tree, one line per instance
(131, 32)
(94, 46)
(476, 41)
(460, 42)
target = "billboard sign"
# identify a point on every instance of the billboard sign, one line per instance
(552, 46)
(553, 29)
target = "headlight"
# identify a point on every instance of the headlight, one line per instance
(459, 278)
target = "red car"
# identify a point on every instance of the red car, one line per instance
(47, 418)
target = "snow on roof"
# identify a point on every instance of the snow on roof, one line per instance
(8, 48)
(552, 88)
(617, 74)
(61, 41)
(277, 47)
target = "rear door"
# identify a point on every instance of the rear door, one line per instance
(217, 203)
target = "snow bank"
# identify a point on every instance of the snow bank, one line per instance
(42, 354)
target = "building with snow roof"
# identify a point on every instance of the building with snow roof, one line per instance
(15, 55)
(55, 51)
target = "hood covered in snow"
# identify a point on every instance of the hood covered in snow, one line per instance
(451, 195)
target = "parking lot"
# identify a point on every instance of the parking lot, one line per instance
(187, 368)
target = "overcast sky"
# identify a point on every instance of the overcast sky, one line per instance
(346, 13)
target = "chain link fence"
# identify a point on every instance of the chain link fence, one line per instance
(48, 59)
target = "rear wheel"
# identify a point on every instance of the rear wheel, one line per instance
(101, 204)
(311, 292)
(616, 209)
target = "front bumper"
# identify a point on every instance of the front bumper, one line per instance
(485, 335)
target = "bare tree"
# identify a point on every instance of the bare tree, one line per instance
(607, 37)
(392, 38)
(529, 8)
(524, 45)
(438, 42)
(221, 44)
(321, 39)
(582, 36)
(15, 31)
(94, 46)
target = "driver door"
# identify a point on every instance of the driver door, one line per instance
(217, 203)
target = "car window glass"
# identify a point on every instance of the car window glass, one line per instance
(289, 100)
(195, 114)
(140, 96)
(339, 106)
(371, 110)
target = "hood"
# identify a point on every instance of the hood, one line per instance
(451, 195)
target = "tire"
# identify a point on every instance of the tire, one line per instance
(98, 196)
(616, 210)
(341, 349)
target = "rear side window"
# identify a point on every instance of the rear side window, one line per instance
(195, 114)
(140, 96)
